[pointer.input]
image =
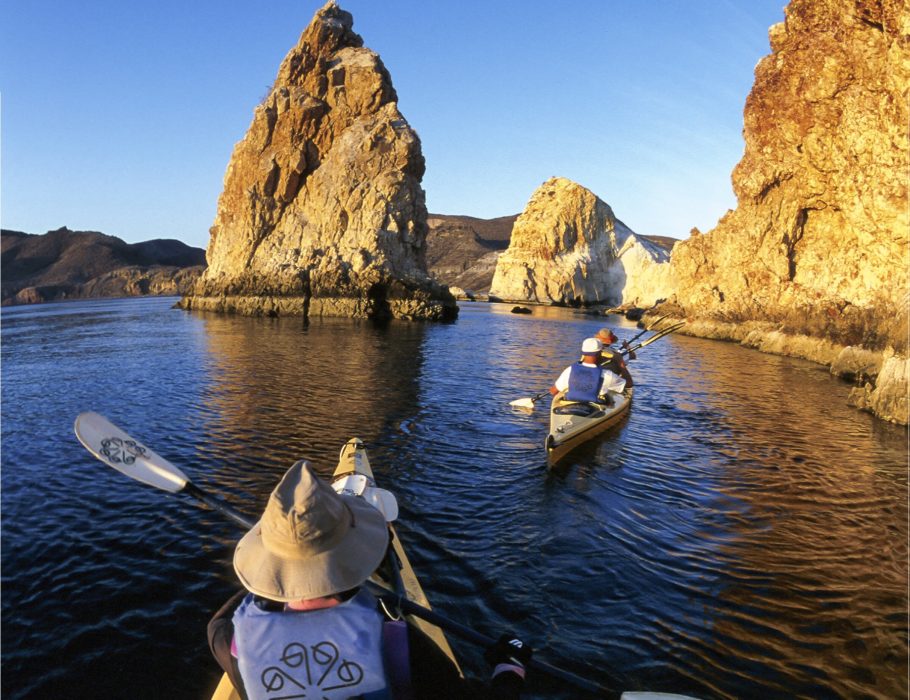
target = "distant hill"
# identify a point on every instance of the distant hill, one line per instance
(462, 250)
(65, 264)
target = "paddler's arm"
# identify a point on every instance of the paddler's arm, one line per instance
(562, 382)
(221, 636)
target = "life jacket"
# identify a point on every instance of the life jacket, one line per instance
(584, 383)
(331, 653)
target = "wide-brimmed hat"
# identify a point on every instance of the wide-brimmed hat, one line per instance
(591, 346)
(607, 336)
(310, 541)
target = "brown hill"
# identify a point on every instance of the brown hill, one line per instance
(65, 264)
(462, 250)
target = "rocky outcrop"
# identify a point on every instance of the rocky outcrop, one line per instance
(817, 247)
(65, 264)
(322, 211)
(567, 247)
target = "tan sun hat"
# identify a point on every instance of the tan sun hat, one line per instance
(310, 541)
(607, 336)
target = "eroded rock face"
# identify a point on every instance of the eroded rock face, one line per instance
(322, 211)
(819, 238)
(567, 247)
(818, 244)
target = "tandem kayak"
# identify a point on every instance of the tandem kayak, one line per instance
(573, 423)
(354, 475)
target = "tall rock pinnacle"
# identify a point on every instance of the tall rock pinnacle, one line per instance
(322, 211)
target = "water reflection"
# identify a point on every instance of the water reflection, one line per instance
(280, 390)
(743, 533)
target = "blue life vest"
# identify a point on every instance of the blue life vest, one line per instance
(331, 653)
(584, 383)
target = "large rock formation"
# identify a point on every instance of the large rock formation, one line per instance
(322, 211)
(65, 264)
(567, 247)
(817, 247)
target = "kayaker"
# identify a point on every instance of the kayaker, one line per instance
(612, 359)
(305, 624)
(587, 380)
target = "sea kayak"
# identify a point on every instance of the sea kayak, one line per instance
(573, 423)
(354, 474)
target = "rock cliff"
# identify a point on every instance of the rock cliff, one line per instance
(65, 264)
(322, 211)
(816, 251)
(567, 247)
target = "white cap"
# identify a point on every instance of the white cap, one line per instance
(591, 345)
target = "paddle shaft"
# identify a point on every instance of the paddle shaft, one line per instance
(657, 336)
(472, 635)
(216, 504)
(647, 328)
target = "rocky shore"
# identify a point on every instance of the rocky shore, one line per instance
(814, 260)
(881, 377)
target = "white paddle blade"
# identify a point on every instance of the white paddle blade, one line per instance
(383, 501)
(350, 485)
(358, 485)
(522, 403)
(125, 454)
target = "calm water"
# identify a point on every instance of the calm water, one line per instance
(743, 534)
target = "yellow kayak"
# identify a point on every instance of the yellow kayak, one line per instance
(573, 423)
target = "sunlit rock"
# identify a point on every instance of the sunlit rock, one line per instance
(818, 244)
(322, 211)
(567, 247)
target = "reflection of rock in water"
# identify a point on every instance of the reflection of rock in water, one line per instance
(793, 529)
(288, 390)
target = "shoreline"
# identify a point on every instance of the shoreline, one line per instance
(881, 377)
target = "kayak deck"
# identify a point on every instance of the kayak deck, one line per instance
(353, 460)
(574, 423)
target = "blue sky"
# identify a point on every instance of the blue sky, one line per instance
(120, 116)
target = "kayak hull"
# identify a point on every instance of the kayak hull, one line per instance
(575, 423)
(397, 574)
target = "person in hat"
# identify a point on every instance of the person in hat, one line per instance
(587, 380)
(612, 359)
(306, 625)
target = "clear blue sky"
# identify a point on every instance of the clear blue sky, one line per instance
(120, 116)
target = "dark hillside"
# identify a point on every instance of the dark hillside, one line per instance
(62, 264)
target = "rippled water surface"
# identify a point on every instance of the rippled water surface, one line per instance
(742, 534)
